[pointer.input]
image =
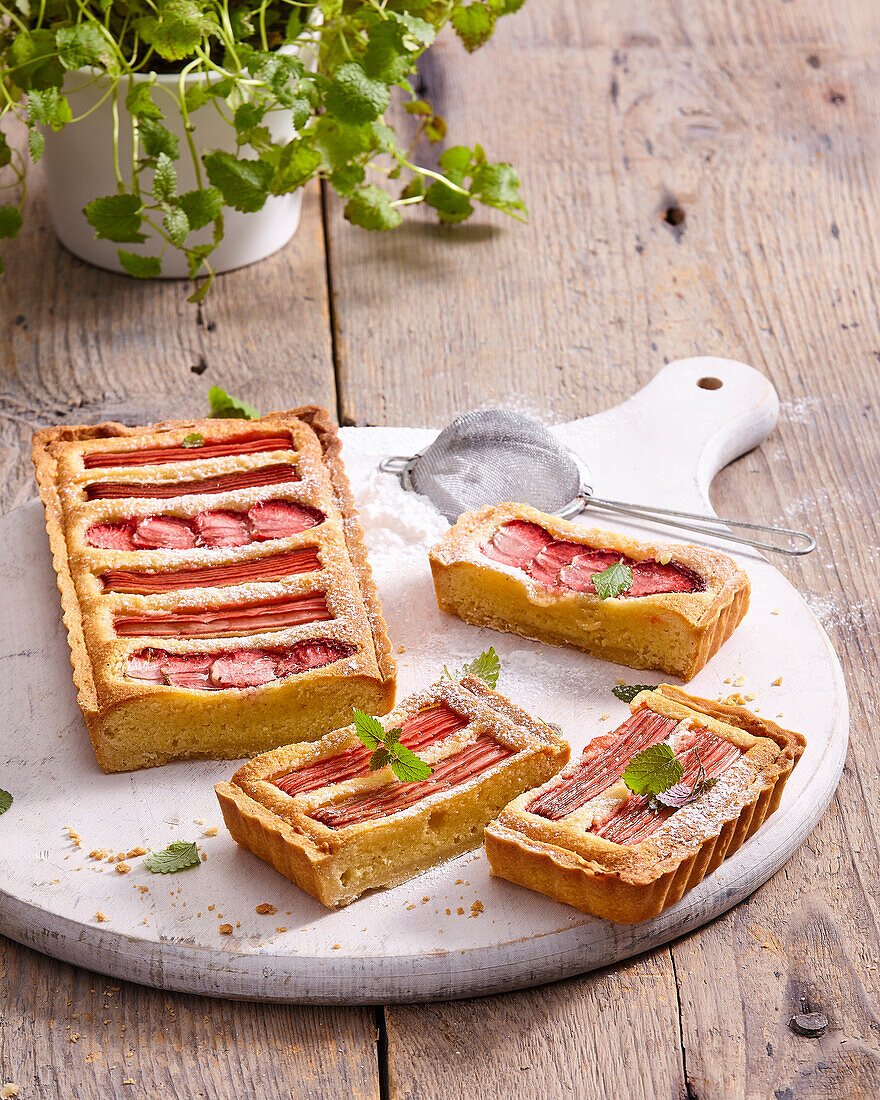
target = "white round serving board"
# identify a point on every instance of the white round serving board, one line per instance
(426, 939)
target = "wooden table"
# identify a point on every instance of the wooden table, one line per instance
(703, 179)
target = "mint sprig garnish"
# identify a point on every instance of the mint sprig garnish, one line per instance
(628, 692)
(224, 407)
(612, 581)
(6, 801)
(388, 749)
(194, 439)
(653, 770)
(179, 856)
(486, 667)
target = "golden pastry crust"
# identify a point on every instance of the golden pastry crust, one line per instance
(672, 632)
(630, 883)
(135, 724)
(336, 865)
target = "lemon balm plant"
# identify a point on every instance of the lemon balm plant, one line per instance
(202, 113)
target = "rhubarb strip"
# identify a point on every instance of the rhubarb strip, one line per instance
(238, 668)
(223, 483)
(262, 522)
(153, 456)
(635, 820)
(252, 618)
(603, 762)
(564, 565)
(423, 729)
(472, 760)
(289, 563)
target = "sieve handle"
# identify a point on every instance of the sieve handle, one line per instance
(708, 525)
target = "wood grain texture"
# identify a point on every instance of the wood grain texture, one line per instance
(760, 123)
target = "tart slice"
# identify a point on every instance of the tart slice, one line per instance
(215, 585)
(587, 840)
(513, 568)
(320, 816)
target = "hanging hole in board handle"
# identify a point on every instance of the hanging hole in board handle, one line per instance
(710, 383)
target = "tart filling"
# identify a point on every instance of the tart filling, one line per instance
(238, 668)
(250, 618)
(153, 456)
(270, 519)
(289, 563)
(425, 728)
(560, 564)
(223, 483)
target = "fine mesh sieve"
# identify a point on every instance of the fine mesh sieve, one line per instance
(492, 455)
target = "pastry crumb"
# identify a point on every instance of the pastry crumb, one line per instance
(401, 649)
(128, 1081)
(75, 1037)
(74, 836)
(604, 717)
(98, 853)
(135, 852)
(266, 908)
(728, 679)
(9, 1089)
(739, 681)
(280, 929)
(460, 911)
(210, 831)
(204, 856)
(122, 868)
(99, 916)
(225, 929)
(777, 682)
(476, 908)
(619, 680)
(775, 611)
(336, 947)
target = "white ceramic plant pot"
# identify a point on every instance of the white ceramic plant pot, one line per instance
(79, 168)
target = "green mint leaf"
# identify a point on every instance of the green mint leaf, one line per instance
(36, 61)
(386, 58)
(36, 144)
(194, 439)
(224, 407)
(455, 161)
(49, 108)
(486, 667)
(345, 180)
(176, 29)
(498, 185)
(201, 207)
(627, 692)
(156, 139)
(116, 218)
(612, 581)
(653, 770)
(5, 151)
(339, 144)
(473, 24)
(408, 767)
(83, 44)
(139, 100)
(418, 107)
(353, 97)
(164, 179)
(419, 33)
(6, 801)
(176, 225)
(435, 129)
(380, 758)
(10, 221)
(244, 184)
(451, 206)
(371, 208)
(296, 163)
(140, 267)
(247, 116)
(178, 856)
(369, 729)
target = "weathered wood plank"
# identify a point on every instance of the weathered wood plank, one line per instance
(66, 1032)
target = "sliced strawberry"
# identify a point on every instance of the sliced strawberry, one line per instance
(188, 670)
(277, 519)
(222, 529)
(578, 576)
(516, 543)
(147, 665)
(243, 668)
(548, 562)
(111, 536)
(651, 578)
(164, 533)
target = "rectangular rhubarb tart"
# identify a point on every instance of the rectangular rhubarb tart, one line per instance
(513, 568)
(215, 585)
(586, 839)
(320, 816)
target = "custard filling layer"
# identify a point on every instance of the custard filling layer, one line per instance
(557, 563)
